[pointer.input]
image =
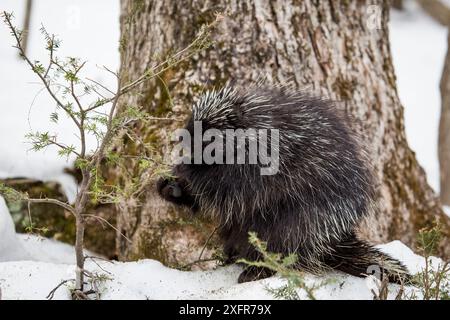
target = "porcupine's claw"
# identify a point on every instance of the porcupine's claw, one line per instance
(254, 273)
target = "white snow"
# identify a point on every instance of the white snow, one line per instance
(10, 248)
(447, 210)
(419, 46)
(31, 266)
(149, 279)
(16, 247)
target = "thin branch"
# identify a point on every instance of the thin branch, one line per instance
(101, 85)
(51, 201)
(51, 57)
(167, 90)
(63, 147)
(98, 93)
(98, 265)
(109, 224)
(112, 72)
(72, 88)
(26, 24)
(52, 293)
(108, 135)
(197, 262)
(44, 81)
(206, 242)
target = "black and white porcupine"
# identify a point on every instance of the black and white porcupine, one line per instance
(311, 207)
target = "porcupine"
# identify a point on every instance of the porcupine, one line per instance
(311, 207)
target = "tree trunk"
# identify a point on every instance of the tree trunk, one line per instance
(444, 131)
(26, 24)
(397, 4)
(437, 9)
(339, 49)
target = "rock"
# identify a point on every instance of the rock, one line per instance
(54, 222)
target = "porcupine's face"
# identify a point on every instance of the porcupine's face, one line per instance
(212, 115)
(193, 173)
(204, 118)
(197, 179)
(222, 151)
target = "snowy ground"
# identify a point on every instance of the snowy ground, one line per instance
(149, 279)
(32, 267)
(91, 31)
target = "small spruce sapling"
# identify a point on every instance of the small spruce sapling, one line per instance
(284, 267)
(433, 280)
(84, 100)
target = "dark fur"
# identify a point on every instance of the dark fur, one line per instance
(311, 207)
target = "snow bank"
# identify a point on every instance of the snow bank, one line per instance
(16, 247)
(10, 247)
(149, 279)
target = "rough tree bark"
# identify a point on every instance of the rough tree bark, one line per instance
(339, 49)
(444, 131)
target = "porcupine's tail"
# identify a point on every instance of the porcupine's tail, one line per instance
(358, 258)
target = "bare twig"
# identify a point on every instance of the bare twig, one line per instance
(93, 259)
(109, 224)
(437, 9)
(101, 85)
(206, 242)
(52, 293)
(197, 262)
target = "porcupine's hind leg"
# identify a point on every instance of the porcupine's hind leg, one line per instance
(358, 258)
(235, 247)
(230, 251)
(253, 273)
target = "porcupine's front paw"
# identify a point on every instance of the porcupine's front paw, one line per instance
(169, 190)
(254, 273)
(176, 192)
